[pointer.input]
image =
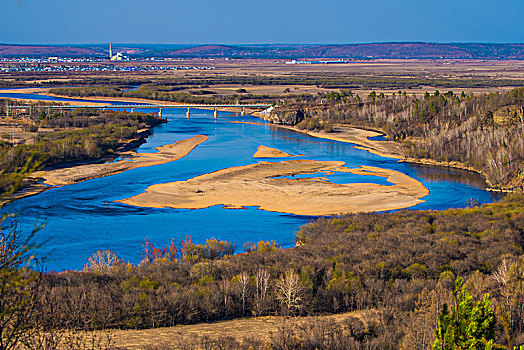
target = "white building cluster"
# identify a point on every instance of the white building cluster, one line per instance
(118, 56)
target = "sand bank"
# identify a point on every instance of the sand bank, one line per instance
(165, 154)
(23, 90)
(360, 137)
(264, 186)
(342, 133)
(268, 152)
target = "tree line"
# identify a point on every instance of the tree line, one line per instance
(484, 132)
(402, 265)
(83, 133)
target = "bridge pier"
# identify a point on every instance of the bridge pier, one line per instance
(239, 108)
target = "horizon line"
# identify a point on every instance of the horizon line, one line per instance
(247, 44)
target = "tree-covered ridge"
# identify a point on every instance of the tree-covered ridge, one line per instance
(401, 265)
(410, 50)
(484, 132)
(68, 136)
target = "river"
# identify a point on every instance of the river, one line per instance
(81, 218)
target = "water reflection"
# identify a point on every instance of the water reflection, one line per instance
(440, 174)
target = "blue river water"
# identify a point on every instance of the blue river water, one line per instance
(81, 218)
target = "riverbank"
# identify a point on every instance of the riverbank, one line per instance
(75, 172)
(389, 149)
(457, 165)
(348, 134)
(133, 160)
(358, 136)
(267, 185)
(342, 133)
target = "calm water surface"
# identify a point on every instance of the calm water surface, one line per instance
(81, 218)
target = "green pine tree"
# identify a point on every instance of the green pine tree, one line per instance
(468, 325)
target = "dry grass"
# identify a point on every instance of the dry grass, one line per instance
(452, 69)
(259, 328)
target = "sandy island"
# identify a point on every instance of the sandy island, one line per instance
(268, 152)
(165, 154)
(264, 186)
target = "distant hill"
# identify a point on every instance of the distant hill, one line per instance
(401, 50)
(360, 51)
(45, 51)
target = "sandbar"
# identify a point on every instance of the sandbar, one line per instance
(348, 134)
(268, 152)
(165, 154)
(266, 185)
(360, 137)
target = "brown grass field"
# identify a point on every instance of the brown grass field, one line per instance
(263, 329)
(444, 69)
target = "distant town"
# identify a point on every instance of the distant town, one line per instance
(37, 65)
(52, 64)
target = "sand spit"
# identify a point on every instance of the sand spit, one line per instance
(360, 137)
(165, 154)
(343, 133)
(268, 152)
(264, 185)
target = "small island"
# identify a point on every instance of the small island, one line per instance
(268, 152)
(265, 185)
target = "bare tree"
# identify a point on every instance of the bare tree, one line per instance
(503, 277)
(242, 287)
(102, 261)
(224, 285)
(289, 290)
(262, 285)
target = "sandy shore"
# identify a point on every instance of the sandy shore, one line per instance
(165, 154)
(24, 91)
(264, 186)
(343, 133)
(360, 137)
(268, 152)
(389, 149)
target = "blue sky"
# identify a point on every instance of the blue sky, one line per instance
(268, 21)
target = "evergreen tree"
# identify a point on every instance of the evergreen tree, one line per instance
(468, 325)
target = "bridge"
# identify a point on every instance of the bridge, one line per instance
(132, 106)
